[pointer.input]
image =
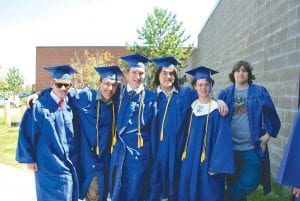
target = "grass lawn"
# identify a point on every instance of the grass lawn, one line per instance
(8, 140)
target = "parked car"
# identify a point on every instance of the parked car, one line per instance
(3, 100)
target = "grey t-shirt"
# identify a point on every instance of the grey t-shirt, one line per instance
(240, 130)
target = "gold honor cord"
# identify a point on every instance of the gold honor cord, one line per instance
(140, 138)
(164, 118)
(113, 127)
(186, 143)
(203, 153)
(97, 129)
(114, 138)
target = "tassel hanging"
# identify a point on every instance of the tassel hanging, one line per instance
(140, 140)
(203, 156)
(97, 150)
(183, 155)
(161, 136)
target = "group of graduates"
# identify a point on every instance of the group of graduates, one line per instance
(130, 143)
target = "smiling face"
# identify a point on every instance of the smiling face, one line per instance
(202, 87)
(136, 77)
(61, 87)
(167, 78)
(107, 88)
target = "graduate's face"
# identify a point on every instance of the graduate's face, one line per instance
(61, 87)
(167, 78)
(136, 77)
(202, 87)
(241, 76)
(107, 88)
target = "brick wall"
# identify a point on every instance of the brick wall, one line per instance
(51, 56)
(267, 34)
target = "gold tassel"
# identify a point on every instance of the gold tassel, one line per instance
(140, 140)
(203, 156)
(97, 150)
(114, 140)
(161, 136)
(183, 155)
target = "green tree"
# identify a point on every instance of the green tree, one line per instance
(14, 80)
(85, 66)
(160, 36)
(3, 85)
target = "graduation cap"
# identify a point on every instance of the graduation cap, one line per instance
(112, 72)
(136, 60)
(202, 72)
(166, 62)
(61, 72)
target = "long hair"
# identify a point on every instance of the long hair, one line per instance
(156, 78)
(247, 67)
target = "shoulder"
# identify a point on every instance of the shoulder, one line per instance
(150, 94)
(259, 89)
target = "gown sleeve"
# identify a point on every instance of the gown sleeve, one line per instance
(222, 153)
(26, 144)
(270, 117)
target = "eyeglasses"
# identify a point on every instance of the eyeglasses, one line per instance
(60, 85)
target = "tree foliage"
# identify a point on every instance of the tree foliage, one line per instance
(160, 36)
(3, 85)
(14, 80)
(85, 66)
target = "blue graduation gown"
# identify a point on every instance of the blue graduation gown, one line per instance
(288, 173)
(130, 165)
(46, 137)
(195, 182)
(166, 168)
(262, 118)
(84, 103)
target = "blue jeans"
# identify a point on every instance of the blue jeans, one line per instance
(247, 175)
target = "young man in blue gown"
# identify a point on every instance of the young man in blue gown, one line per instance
(254, 120)
(46, 141)
(288, 172)
(208, 154)
(134, 149)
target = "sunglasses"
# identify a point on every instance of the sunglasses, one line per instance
(60, 85)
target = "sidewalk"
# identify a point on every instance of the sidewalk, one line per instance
(16, 184)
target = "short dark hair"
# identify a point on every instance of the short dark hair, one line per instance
(247, 67)
(156, 78)
(210, 81)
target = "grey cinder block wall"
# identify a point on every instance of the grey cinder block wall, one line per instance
(265, 33)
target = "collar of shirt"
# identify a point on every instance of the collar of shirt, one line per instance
(159, 90)
(56, 99)
(138, 90)
(99, 97)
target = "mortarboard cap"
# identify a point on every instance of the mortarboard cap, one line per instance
(136, 60)
(112, 72)
(202, 72)
(166, 62)
(61, 72)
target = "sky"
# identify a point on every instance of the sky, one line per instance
(24, 25)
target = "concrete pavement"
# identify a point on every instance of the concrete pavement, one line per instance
(16, 184)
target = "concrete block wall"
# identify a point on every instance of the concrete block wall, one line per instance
(266, 33)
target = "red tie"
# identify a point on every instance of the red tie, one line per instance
(61, 104)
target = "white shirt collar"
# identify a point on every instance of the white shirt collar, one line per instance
(138, 90)
(159, 90)
(55, 97)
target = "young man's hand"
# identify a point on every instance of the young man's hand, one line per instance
(32, 167)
